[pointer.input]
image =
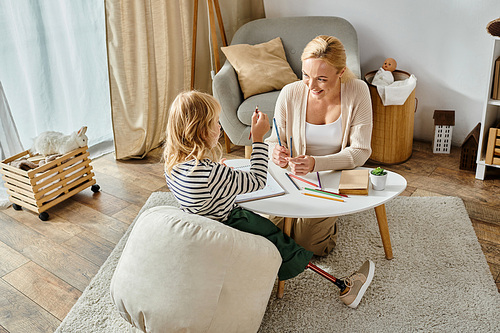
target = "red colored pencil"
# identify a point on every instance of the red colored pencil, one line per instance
(303, 180)
(250, 136)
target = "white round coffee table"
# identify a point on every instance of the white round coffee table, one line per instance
(293, 204)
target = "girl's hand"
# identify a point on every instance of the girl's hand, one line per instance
(260, 126)
(301, 165)
(222, 161)
(280, 156)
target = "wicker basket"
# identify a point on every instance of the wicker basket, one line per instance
(493, 28)
(392, 134)
(49, 184)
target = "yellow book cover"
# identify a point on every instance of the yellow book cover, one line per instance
(354, 182)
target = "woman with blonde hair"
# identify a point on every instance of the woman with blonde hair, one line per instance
(328, 115)
(205, 187)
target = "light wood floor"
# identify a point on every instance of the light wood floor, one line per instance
(45, 266)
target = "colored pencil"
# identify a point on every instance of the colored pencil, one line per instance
(303, 180)
(277, 133)
(323, 192)
(319, 196)
(298, 188)
(342, 195)
(256, 109)
(319, 181)
(291, 148)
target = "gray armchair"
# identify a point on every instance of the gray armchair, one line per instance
(295, 33)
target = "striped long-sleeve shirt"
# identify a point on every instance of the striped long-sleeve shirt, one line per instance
(209, 188)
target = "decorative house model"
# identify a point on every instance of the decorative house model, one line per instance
(468, 152)
(443, 122)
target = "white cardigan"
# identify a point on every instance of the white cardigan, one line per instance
(356, 110)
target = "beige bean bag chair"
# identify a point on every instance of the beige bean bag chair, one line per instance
(186, 273)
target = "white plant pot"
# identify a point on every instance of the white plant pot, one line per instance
(378, 182)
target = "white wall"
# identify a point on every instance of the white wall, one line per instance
(444, 43)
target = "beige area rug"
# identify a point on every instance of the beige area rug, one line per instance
(438, 281)
(476, 210)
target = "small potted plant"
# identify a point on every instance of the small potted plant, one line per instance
(378, 178)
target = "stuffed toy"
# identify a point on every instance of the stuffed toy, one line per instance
(49, 143)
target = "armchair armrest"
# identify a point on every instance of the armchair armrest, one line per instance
(227, 91)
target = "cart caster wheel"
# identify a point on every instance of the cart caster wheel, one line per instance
(43, 216)
(95, 188)
(16, 206)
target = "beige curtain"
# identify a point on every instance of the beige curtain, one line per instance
(149, 59)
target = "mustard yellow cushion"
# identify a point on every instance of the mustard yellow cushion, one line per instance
(260, 68)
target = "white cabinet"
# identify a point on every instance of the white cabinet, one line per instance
(491, 115)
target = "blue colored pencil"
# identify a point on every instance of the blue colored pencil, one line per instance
(277, 133)
(298, 188)
(319, 181)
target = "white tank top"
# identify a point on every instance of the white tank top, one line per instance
(324, 139)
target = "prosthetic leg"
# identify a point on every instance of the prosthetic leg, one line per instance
(337, 282)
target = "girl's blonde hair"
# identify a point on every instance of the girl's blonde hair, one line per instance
(330, 50)
(190, 121)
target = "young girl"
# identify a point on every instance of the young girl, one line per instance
(204, 187)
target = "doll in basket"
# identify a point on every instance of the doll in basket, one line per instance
(384, 76)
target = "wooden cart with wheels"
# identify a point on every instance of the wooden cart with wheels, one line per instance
(47, 185)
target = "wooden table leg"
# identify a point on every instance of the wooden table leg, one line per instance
(248, 152)
(384, 230)
(287, 228)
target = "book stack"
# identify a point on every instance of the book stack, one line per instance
(354, 182)
(495, 90)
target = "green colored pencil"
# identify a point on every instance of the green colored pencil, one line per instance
(323, 192)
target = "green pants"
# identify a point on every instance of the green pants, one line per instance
(295, 257)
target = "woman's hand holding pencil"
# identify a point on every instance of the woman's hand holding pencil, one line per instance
(280, 156)
(280, 153)
(301, 165)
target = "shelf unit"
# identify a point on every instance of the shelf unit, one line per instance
(491, 115)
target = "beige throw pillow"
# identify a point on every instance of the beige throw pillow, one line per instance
(260, 68)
